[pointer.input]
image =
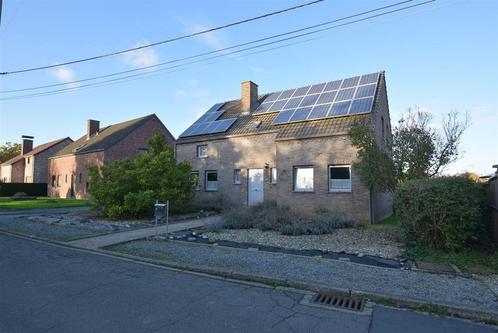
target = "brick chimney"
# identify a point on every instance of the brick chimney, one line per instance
(92, 128)
(249, 95)
(27, 144)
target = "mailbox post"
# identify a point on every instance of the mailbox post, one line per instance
(161, 211)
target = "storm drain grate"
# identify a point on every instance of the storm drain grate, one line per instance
(342, 301)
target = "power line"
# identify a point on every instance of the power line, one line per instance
(147, 74)
(210, 52)
(165, 41)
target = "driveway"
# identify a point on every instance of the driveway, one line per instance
(50, 288)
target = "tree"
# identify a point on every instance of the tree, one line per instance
(375, 165)
(130, 188)
(421, 150)
(9, 150)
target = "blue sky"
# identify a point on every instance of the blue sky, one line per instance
(441, 57)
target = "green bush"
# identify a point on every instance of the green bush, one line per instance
(129, 188)
(442, 212)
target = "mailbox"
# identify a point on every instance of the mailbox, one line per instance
(160, 210)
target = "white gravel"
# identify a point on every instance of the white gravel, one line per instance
(378, 242)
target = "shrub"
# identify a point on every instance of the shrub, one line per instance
(269, 216)
(130, 188)
(324, 223)
(442, 212)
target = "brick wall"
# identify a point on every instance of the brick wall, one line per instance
(226, 155)
(36, 171)
(17, 172)
(76, 166)
(262, 151)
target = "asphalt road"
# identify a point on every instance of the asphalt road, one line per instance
(48, 288)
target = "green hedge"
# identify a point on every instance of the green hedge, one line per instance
(31, 189)
(442, 212)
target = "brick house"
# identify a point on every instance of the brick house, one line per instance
(290, 147)
(69, 167)
(31, 166)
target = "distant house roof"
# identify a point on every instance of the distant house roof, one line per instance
(13, 160)
(45, 146)
(260, 123)
(34, 151)
(106, 137)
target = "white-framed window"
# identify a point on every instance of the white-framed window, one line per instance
(196, 180)
(339, 178)
(273, 175)
(202, 151)
(237, 180)
(211, 181)
(303, 179)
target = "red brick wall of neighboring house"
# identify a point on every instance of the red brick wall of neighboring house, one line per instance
(17, 173)
(129, 147)
(73, 167)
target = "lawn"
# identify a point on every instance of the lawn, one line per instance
(467, 260)
(6, 203)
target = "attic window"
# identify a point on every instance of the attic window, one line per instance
(255, 124)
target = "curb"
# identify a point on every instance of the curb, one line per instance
(266, 281)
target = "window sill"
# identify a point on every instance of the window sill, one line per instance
(237, 183)
(210, 190)
(303, 191)
(340, 191)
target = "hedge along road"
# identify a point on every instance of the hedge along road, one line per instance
(46, 287)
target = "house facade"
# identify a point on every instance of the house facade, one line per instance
(31, 166)
(69, 167)
(290, 147)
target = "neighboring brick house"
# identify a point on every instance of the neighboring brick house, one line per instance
(31, 166)
(290, 147)
(36, 161)
(69, 167)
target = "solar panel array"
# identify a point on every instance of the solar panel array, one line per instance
(208, 123)
(349, 96)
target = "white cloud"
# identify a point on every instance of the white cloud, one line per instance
(142, 57)
(64, 74)
(211, 39)
(192, 90)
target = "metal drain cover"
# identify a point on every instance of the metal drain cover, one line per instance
(338, 300)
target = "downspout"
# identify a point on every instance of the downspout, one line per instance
(370, 207)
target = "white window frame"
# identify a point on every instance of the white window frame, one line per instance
(200, 151)
(342, 185)
(197, 186)
(210, 186)
(237, 176)
(273, 175)
(295, 183)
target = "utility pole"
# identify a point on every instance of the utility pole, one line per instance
(1, 5)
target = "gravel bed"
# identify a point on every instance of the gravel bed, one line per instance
(45, 230)
(376, 242)
(432, 288)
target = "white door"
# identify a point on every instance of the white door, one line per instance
(255, 187)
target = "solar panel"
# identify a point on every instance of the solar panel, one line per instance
(301, 91)
(361, 105)
(350, 82)
(365, 91)
(345, 94)
(215, 107)
(328, 99)
(333, 85)
(319, 111)
(301, 114)
(369, 78)
(309, 100)
(293, 103)
(339, 109)
(278, 105)
(283, 117)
